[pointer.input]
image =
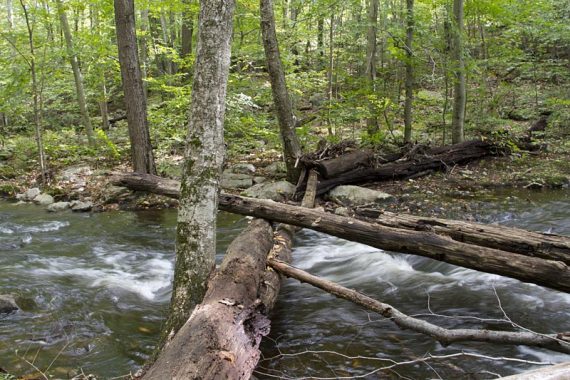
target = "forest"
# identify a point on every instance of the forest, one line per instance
(452, 116)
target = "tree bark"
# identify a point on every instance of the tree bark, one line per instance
(9, 14)
(222, 336)
(370, 70)
(404, 321)
(409, 71)
(204, 156)
(459, 90)
(550, 273)
(291, 145)
(135, 100)
(143, 43)
(187, 30)
(81, 100)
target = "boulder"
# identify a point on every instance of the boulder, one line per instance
(73, 173)
(358, 196)
(235, 181)
(7, 304)
(43, 199)
(276, 169)
(81, 206)
(242, 168)
(113, 194)
(259, 179)
(277, 191)
(29, 194)
(58, 206)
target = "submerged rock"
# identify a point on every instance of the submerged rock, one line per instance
(358, 196)
(277, 191)
(7, 304)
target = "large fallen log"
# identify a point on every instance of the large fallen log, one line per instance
(556, 372)
(549, 273)
(220, 340)
(431, 160)
(404, 321)
(528, 243)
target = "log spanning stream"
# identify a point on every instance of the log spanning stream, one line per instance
(94, 289)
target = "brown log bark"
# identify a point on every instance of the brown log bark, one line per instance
(220, 340)
(528, 243)
(549, 273)
(404, 321)
(347, 162)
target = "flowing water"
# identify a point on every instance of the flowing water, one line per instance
(94, 290)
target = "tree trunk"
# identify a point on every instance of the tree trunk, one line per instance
(76, 73)
(550, 273)
(459, 91)
(143, 43)
(222, 336)
(9, 14)
(409, 71)
(36, 96)
(370, 71)
(330, 75)
(204, 157)
(187, 30)
(135, 100)
(291, 145)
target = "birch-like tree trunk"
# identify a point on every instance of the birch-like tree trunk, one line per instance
(135, 100)
(196, 229)
(409, 71)
(370, 71)
(72, 56)
(459, 90)
(291, 145)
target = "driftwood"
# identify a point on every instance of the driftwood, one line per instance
(415, 165)
(550, 273)
(533, 244)
(555, 372)
(222, 335)
(404, 321)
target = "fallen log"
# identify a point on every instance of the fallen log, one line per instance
(220, 340)
(555, 372)
(528, 243)
(549, 273)
(404, 321)
(435, 159)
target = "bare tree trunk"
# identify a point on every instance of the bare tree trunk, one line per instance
(330, 75)
(409, 71)
(166, 41)
(101, 71)
(459, 92)
(196, 237)
(135, 100)
(370, 71)
(9, 14)
(187, 30)
(287, 124)
(143, 43)
(81, 100)
(36, 95)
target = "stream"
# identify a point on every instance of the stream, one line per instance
(94, 290)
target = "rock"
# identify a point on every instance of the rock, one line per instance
(80, 206)
(358, 196)
(242, 169)
(277, 191)
(235, 181)
(258, 179)
(73, 173)
(276, 169)
(58, 206)
(342, 211)
(112, 194)
(29, 194)
(43, 200)
(7, 304)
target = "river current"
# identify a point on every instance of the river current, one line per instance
(94, 290)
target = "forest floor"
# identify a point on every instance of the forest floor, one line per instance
(455, 193)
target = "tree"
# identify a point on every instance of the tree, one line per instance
(81, 100)
(135, 100)
(459, 90)
(409, 71)
(370, 71)
(287, 124)
(204, 156)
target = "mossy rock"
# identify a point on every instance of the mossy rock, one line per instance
(556, 181)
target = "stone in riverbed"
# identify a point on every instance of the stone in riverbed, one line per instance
(277, 191)
(81, 206)
(43, 199)
(358, 196)
(29, 194)
(58, 206)
(7, 304)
